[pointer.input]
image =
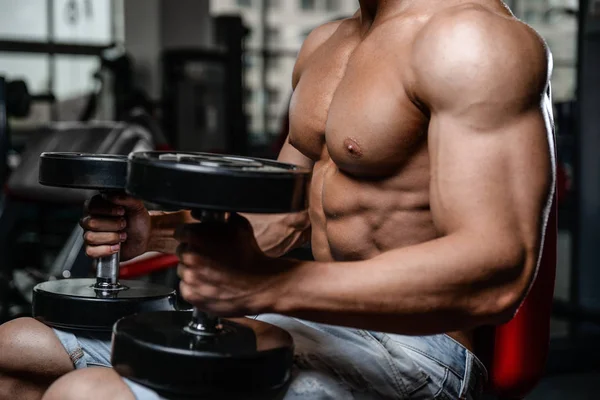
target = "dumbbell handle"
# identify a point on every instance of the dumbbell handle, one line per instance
(107, 268)
(203, 323)
(107, 271)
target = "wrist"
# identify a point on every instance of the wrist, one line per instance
(162, 230)
(287, 288)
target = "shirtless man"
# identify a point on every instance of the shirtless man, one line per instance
(427, 126)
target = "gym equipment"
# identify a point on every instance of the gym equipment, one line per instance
(203, 96)
(192, 354)
(92, 304)
(30, 211)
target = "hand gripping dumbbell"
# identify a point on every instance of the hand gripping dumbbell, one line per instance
(93, 304)
(191, 354)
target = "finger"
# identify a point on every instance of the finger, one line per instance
(128, 202)
(188, 293)
(193, 254)
(185, 274)
(90, 223)
(199, 293)
(101, 251)
(192, 260)
(97, 205)
(102, 238)
(195, 267)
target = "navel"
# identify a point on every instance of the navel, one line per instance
(352, 148)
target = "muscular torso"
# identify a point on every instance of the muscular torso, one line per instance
(352, 114)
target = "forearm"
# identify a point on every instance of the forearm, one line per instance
(275, 234)
(162, 230)
(278, 234)
(448, 284)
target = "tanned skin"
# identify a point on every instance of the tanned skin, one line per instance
(427, 126)
(428, 129)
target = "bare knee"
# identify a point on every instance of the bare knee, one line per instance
(90, 383)
(30, 347)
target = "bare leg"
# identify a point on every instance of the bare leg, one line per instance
(32, 358)
(92, 384)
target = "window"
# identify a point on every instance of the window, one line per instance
(82, 21)
(273, 35)
(25, 20)
(244, 3)
(307, 5)
(68, 77)
(332, 5)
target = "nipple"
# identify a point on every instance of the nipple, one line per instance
(353, 148)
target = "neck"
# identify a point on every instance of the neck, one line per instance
(371, 8)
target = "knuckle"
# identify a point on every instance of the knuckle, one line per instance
(180, 273)
(184, 273)
(186, 292)
(89, 252)
(83, 222)
(189, 258)
(188, 276)
(208, 292)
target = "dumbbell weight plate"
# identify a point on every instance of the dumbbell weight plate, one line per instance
(214, 182)
(246, 357)
(105, 172)
(75, 303)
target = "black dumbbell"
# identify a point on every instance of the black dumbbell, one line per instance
(93, 304)
(192, 354)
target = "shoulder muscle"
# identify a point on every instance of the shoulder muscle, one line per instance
(470, 56)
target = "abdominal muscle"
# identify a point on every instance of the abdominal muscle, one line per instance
(356, 219)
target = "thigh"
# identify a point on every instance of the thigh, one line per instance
(28, 346)
(141, 392)
(90, 383)
(349, 360)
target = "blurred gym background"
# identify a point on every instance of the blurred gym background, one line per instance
(215, 76)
